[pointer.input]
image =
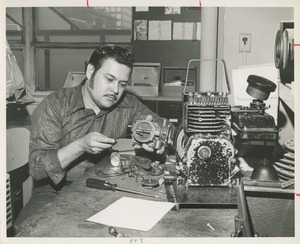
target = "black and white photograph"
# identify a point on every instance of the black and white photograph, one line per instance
(149, 122)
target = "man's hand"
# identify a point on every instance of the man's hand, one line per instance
(150, 149)
(96, 142)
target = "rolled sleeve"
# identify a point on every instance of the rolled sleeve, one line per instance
(47, 164)
(44, 143)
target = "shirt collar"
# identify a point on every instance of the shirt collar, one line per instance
(76, 100)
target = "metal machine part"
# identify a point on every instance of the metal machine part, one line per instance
(206, 113)
(130, 164)
(150, 183)
(154, 132)
(253, 123)
(284, 51)
(209, 160)
(205, 144)
(127, 164)
(157, 169)
(113, 231)
(171, 184)
(259, 87)
(243, 227)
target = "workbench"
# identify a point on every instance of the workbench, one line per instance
(65, 214)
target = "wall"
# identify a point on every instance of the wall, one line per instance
(262, 23)
(173, 53)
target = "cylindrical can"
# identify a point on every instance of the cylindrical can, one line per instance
(115, 159)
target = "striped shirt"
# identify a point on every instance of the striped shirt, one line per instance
(61, 118)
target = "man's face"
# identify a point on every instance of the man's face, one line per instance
(108, 84)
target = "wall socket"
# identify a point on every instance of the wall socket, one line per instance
(245, 40)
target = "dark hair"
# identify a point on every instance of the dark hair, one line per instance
(120, 54)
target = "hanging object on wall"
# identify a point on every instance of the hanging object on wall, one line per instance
(172, 10)
(140, 30)
(284, 51)
(186, 30)
(160, 30)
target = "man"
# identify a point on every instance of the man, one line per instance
(71, 128)
(74, 123)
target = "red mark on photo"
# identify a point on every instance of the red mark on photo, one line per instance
(297, 194)
(87, 3)
(200, 3)
(296, 44)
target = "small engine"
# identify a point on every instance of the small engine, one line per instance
(208, 152)
(205, 144)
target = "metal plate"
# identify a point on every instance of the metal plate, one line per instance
(150, 182)
(284, 166)
(289, 145)
(285, 173)
(286, 161)
(283, 178)
(289, 156)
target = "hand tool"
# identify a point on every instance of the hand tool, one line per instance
(105, 185)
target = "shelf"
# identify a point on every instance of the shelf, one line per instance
(162, 98)
(286, 95)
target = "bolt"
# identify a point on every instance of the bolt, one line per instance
(209, 226)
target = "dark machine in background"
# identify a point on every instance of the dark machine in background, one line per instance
(253, 123)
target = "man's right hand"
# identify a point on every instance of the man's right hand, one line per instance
(95, 142)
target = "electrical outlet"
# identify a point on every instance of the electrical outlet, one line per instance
(245, 43)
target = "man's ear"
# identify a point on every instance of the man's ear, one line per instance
(89, 71)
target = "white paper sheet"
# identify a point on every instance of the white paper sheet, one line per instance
(160, 29)
(132, 213)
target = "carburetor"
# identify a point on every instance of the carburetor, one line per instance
(153, 132)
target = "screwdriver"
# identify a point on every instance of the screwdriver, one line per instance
(105, 185)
